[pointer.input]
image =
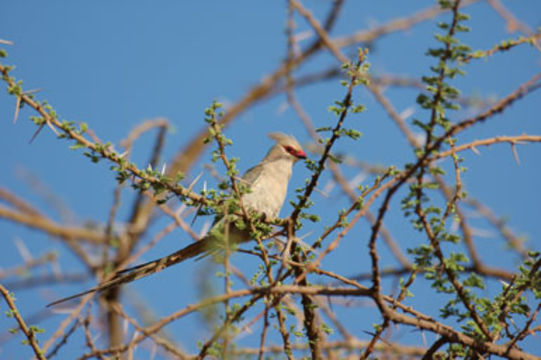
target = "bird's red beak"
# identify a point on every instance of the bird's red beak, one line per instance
(300, 154)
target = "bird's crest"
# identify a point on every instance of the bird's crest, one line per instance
(284, 139)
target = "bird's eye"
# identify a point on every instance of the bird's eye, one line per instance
(289, 149)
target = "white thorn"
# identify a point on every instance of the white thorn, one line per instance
(515, 153)
(23, 250)
(192, 184)
(406, 113)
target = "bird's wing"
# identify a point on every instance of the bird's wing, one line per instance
(251, 175)
(209, 244)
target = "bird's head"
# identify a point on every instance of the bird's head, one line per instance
(286, 147)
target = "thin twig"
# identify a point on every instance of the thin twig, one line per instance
(29, 333)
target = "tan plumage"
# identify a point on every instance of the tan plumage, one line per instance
(267, 182)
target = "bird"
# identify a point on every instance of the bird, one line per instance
(267, 188)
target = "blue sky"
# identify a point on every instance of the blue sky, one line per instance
(116, 64)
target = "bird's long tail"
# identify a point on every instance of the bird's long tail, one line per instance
(137, 272)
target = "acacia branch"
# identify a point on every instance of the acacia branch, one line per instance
(29, 333)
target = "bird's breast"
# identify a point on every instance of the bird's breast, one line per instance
(268, 191)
